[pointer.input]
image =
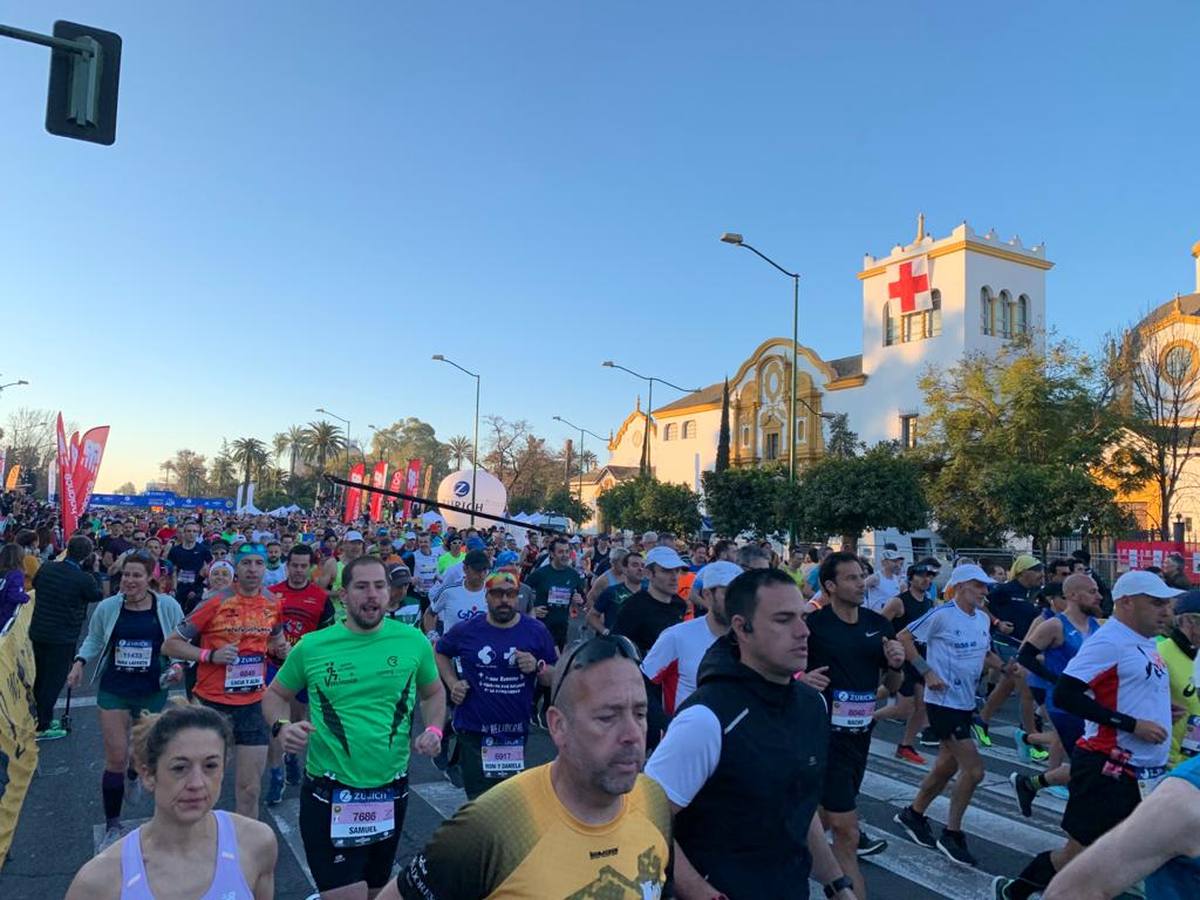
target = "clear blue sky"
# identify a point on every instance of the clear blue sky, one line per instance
(307, 200)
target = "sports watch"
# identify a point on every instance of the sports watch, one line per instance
(842, 883)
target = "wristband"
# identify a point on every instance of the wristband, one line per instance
(541, 666)
(435, 730)
(79, 659)
(205, 655)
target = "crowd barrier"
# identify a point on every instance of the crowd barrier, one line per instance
(18, 722)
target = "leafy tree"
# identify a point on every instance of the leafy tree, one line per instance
(167, 467)
(223, 475)
(646, 503)
(126, 488)
(750, 498)
(563, 502)
(411, 438)
(847, 495)
(842, 442)
(723, 439)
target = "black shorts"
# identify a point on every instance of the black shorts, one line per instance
(949, 724)
(249, 726)
(335, 867)
(844, 770)
(908, 687)
(470, 763)
(1098, 802)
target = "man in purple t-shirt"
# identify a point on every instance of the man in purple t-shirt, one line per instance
(502, 657)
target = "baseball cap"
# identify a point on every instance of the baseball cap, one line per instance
(720, 573)
(576, 539)
(410, 536)
(920, 569)
(506, 558)
(891, 554)
(1187, 602)
(1025, 563)
(1142, 582)
(381, 531)
(969, 572)
(477, 561)
(500, 580)
(474, 543)
(352, 536)
(650, 537)
(665, 558)
(399, 575)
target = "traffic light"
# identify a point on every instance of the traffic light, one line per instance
(82, 100)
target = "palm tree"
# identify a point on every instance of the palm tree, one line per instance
(293, 442)
(251, 455)
(322, 440)
(587, 460)
(189, 468)
(167, 467)
(223, 474)
(460, 447)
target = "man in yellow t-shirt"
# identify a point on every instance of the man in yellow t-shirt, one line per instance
(1178, 650)
(586, 825)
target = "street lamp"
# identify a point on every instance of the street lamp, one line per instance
(13, 384)
(326, 412)
(736, 240)
(582, 432)
(649, 379)
(475, 444)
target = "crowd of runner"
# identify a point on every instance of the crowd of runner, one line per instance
(711, 705)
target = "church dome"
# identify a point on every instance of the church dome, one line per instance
(1196, 249)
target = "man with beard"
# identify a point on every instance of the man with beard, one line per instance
(587, 824)
(503, 655)
(276, 568)
(364, 676)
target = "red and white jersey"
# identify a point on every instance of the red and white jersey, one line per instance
(674, 660)
(1125, 673)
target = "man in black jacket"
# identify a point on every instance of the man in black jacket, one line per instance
(743, 761)
(64, 591)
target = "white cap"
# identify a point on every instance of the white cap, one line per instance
(1142, 582)
(969, 572)
(889, 553)
(719, 573)
(665, 558)
(352, 536)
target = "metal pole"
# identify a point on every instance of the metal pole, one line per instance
(47, 40)
(580, 460)
(475, 453)
(649, 424)
(795, 359)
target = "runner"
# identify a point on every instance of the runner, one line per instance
(276, 571)
(957, 636)
(1178, 651)
(743, 761)
(453, 553)
(126, 634)
(235, 630)
(1058, 639)
(400, 606)
(586, 825)
(558, 587)
(180, 756)
(613, 574)
(902, 611)
(304, 608)
(851, 646)
(629, 569)
(1123, 753)
(424, 567)
(501, 656)
(886, 583)
(647, 613)
(462, 601)
(365, 675)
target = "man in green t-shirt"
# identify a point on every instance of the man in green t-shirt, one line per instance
(557, 585)
(363, 675)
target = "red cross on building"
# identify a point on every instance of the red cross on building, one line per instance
(907, 286)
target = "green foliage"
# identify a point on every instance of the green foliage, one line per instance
(563, 502)
(722, 463)
(646, 503)
(851, 494)
(746, 499)
(126, 488)
(842, 442)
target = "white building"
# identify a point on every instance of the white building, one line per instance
(981, 291)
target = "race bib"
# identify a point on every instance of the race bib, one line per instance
(426, 576)
(852, 709)
(133, 656)
(503, 756)
(1149, 779)
(1190, 745)
(361, 817)
(245, 675)
(559, 596)
(185, 576)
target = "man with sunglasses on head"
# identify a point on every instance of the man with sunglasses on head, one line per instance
(744, 759)
(502, 656)
(587, 824)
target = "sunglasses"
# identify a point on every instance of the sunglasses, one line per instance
(594, 650)
(510, 593)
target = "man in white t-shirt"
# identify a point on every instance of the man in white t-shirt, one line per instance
(958, 638)
(674, 660)
(887, 583)
(462, 601)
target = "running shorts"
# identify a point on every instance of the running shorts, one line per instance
(949, 724)
(334, 867)
(844, 770)
(1098, 802)
(249, 726)
(135, 705)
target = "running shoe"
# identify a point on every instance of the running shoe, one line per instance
(869, 846)
(54, 733)
(275, 791)
(1000, 885)
(291, 765)
(1024, 748)
(909, 754)
(917, 827)
(928, 739)
(979, 729)
(954, 845)
(1060, 791)
(1026, 790)
(1038, 754)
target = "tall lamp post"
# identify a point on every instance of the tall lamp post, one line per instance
(475, 443)
(582, 432)
(13, 384)
(736, 240)
(649, 379)
(345, 422)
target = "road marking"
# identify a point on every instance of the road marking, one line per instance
(442, 796)
(928, 868)
(287, 817)
(86, 702)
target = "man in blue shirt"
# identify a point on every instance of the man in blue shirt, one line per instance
(501, 657)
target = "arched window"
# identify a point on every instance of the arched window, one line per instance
(669, 432)
(987, 306)
(1006, 314)
(891, 327)
(1022, 323)
(689, 429)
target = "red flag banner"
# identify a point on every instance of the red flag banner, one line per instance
(87, 467)
(67, 506)
(378, 480)
(357, 471)
(397, 482)
(412, 480)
